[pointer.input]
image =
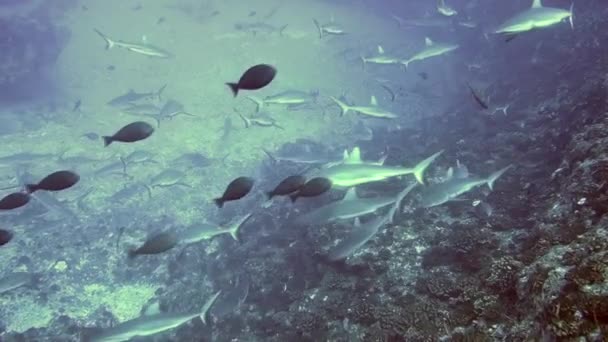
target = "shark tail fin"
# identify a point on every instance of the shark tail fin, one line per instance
(234, 232)
(319, 28)
(572, 15)
(109, 42)
(344, 108)
(159, 92)
(207, 306)
(363, 61)
(421, 167)
(258, 102)
(282, 29)
(494, 176)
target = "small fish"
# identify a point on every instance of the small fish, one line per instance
(477, 99)
(423, 75)
(160, 20)
(132, 132)
(237, 189)
(256, 77)
(5, 237)
(313, 188)
(155, 244)
(56, 181)
(14, 201)
(91, 136)
(287, 186)
(77, 105)
(328, 29)
(260, 27)
(259, 121)
(193, 159)
(252, 13)
(390, 91)
(168, 178)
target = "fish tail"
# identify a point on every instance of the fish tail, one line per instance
(421, 167)
(258, 102)
(159, 92)
(363, 61)
(272, 158)
(319, 27)
(270, 195)
(234, 87)
(219, 202)
(107, 140)
(29, 188)
(109, 42)
(234, 232)
(494, 176)
(344, 108)
(132, 253)
(405, 64)
(571, 19)
(282, 29)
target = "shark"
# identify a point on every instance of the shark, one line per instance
(288, 97)
(353, 171)
(431, 49)
(142, 49)
(351, 207)
(381, 58)
(328, 29)
(372, 110)
(535, 17)
(457, 183)
(444, 9)
(207, 231)
(149, 325)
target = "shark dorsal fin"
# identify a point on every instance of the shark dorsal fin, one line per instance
(354, 157)
(449, 174)
(357, 222)
(428, 41)
(351, 194)
(373, 101)
(536, 4)
(380, 50)
(461, 171)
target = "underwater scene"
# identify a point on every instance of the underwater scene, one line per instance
(303, 170)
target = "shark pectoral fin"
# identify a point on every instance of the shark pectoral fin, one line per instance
(258, 102)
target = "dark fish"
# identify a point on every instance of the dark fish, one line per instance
(156, 244)
(5, 237)
(312, 188)
(237, 189)
(160, 20)
(288, 186)
(423, 75)
(477, 99)
(132, 132)
(252, 13)
(254, 78)
(56, 181)
(91, 136)
(510, 37)
(77, 106)
(14, 201)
